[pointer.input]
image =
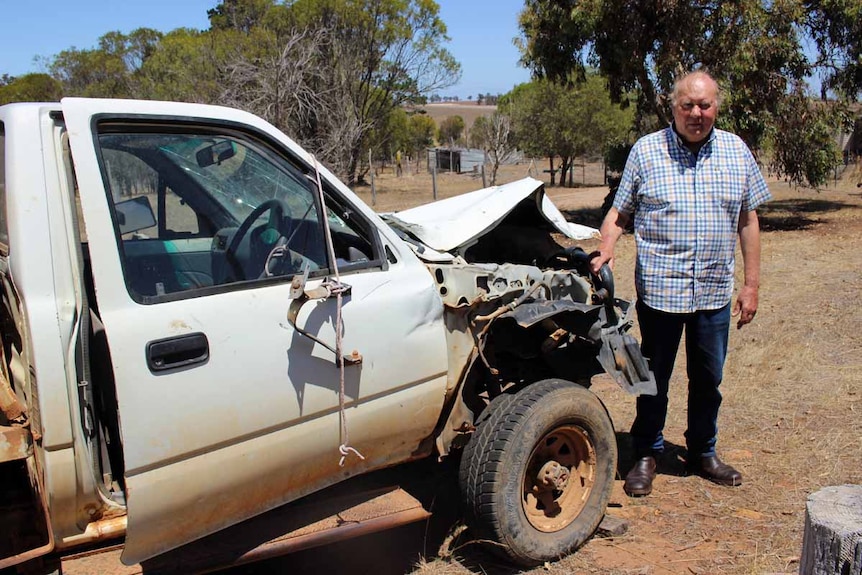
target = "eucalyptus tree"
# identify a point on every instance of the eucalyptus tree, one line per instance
(384, 54)
(551, 118)
(836, 28)
(30, 88)
(535, 108)
(111, 70)
(493, 134)
(451, 130)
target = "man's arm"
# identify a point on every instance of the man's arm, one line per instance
(612, 228)
(749, 242)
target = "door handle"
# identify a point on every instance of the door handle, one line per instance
(179, 351)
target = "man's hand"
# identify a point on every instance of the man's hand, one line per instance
(745, 306)
(601, 257)
(613, 227)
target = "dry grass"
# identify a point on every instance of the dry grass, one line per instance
(791, 420)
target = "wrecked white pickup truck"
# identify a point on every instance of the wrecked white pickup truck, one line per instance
(200, 324)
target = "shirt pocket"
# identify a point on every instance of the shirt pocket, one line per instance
(726, 185)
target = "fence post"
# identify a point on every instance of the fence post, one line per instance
(434, 181)
(373, 188)
(484, 181)
(451, 158)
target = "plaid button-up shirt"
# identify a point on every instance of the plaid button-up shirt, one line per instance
(686, 211)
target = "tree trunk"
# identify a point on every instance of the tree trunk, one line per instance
(564, 167)
(553, 174)
(353, 166)
(832, 541)
(495, 165)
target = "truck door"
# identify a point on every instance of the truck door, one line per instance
(198, 218)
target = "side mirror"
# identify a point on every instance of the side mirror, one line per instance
(215, 154)
(135, 214)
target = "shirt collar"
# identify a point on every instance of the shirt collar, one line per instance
(682, 144)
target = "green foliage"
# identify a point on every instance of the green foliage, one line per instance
(408, 132)
(805, 149)
(186, 66)
(836, 26)
(616, 157)
(110, 71)
(422, 128)
(597, 122)
(535, 108)
(759, 62)
(451, 129)
(30, 88)
(476, 138)
(239, 15)
(569, 121)
(563, 38)
(395, 135)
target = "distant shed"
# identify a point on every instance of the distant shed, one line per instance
(457, 160)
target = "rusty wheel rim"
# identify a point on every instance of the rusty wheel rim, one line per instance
(559, 478)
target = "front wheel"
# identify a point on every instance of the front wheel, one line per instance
(537, 474)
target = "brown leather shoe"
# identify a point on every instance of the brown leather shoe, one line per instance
(639, 478)
(712, 468)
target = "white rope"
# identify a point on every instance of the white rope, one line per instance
(344, 449)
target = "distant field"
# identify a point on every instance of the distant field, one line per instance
(466, 109)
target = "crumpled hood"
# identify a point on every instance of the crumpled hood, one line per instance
(459, 221)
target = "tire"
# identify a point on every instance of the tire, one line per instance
(537, 474)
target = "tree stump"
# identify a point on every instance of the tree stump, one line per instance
(832, 542)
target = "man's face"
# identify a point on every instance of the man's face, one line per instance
(695, 109)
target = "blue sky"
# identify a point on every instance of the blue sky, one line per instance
(481, 33)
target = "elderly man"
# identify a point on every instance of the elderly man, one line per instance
(691, 189)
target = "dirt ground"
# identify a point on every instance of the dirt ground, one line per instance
(791, 420)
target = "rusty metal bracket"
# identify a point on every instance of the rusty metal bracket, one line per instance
(326, 290)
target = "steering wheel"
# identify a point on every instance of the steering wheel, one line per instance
(278, 209)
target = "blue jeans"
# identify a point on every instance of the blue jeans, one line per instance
(706, 335)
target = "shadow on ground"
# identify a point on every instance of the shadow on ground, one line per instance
(670, 462)
(399, 551)
(796, 215)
